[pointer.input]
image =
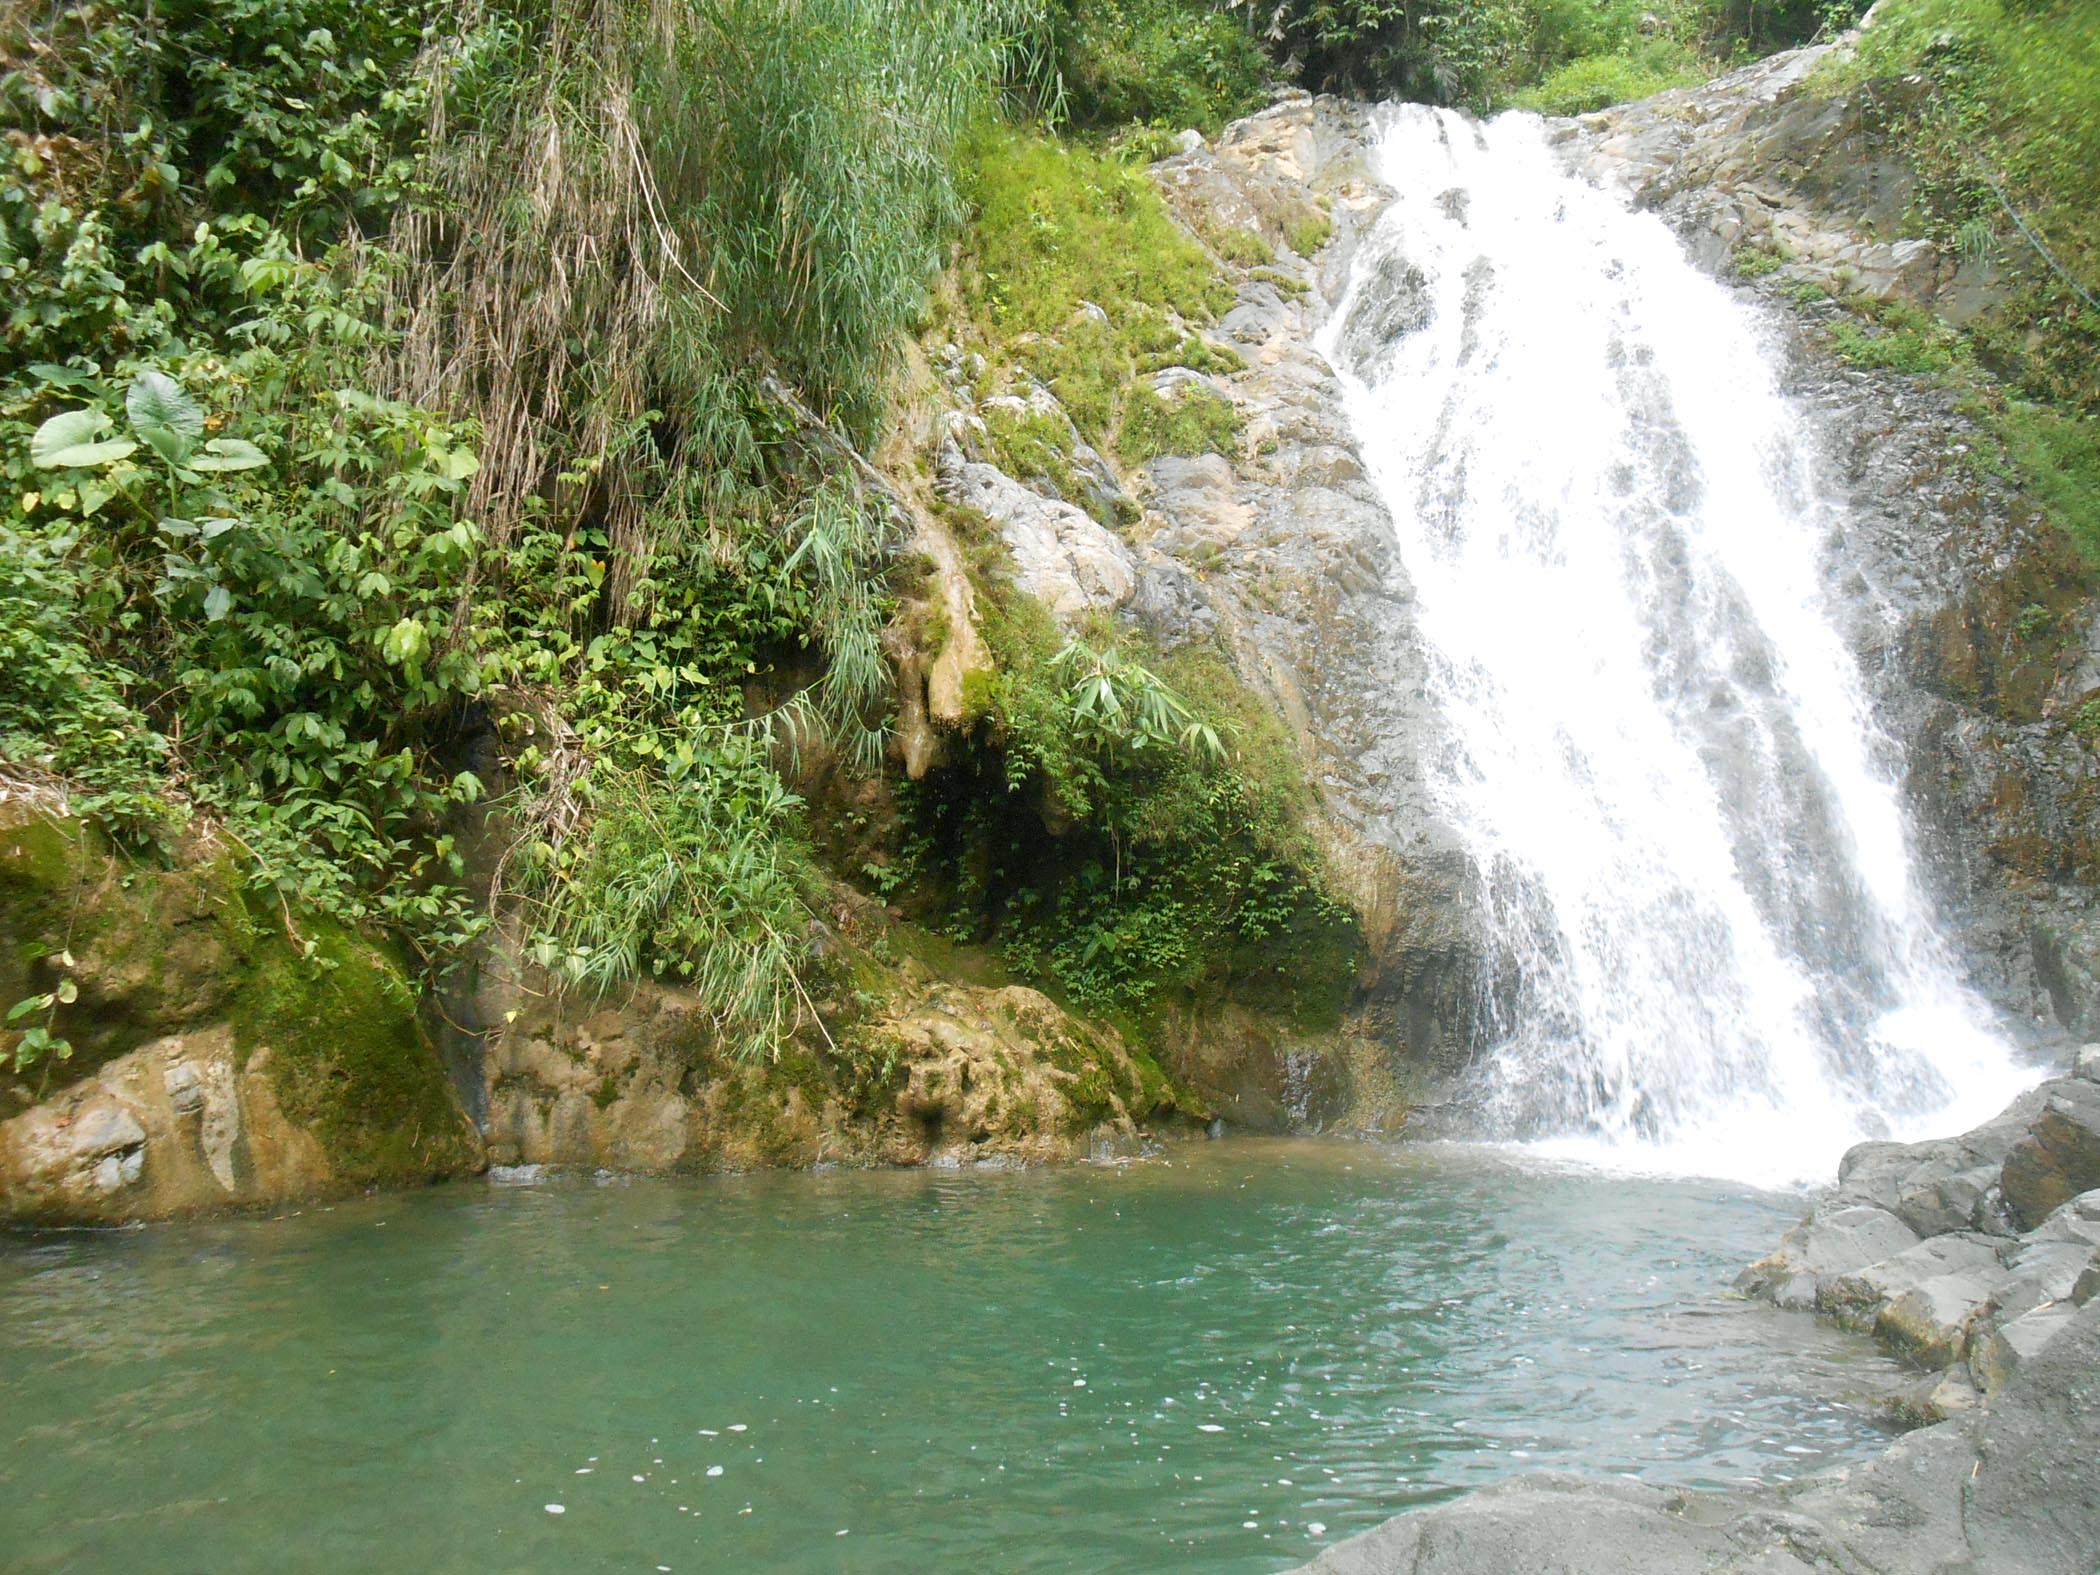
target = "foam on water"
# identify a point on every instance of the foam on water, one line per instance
(1711, 952)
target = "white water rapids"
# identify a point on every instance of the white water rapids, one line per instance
(1711, 952)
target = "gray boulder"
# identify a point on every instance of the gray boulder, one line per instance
(1856, 1299)
(2060, 1155)
(1826, 1244)
(2007, 1348)
(2031, 1507)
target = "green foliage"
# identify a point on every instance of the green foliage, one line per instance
(2058, 456)
(1898, 337)
(32, 1019)
(1997, 105)
(1170, 63)
(1185, 420)
(1056, 227)
(1308, 235)
(1036, 447)
(806, 152)
(252, 568)
(1595, 81)
(1179, 858)
(698, 876)
(1754, 262)
(1113, 705)
(1054, 224)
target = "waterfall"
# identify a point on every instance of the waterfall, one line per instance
(1710, 950)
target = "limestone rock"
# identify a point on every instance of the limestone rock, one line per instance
(1856, 1298)
(949, 1073)
(1061, 554)
(2060, 1156)
(2002, 1352)
(173, 1127)
(1929, 1322)
(2075, 1221)
(2031, 1508)
(1824, 1246)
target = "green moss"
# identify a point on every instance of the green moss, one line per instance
(1056, 227)
(349, 1059)
(1197, 354)
(1289, 288)
(1899, 338)
(1055, 224)
(1189, 420)
(1754, 262)
(1246, 248)
(168, 950)
(1036, 446)
(1308, 235)
(2058, 459)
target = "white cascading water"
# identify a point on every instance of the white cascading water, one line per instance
(1712, 954)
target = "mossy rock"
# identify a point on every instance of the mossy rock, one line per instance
(169, 950)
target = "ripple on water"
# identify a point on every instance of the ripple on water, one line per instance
(1220, 1362)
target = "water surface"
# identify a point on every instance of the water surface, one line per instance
(1221, 1362)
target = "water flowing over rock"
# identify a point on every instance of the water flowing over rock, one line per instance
(1708, 945)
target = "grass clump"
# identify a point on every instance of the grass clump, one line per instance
(2058, 454)
(1037, 446)
(1056, 227)
(1308, 234)
(1054, 224)
(1899, 337)
(1754, 262)
(1187, 420)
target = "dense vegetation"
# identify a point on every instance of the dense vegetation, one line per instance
(1997, 105)
(397, 411)
(418, 419)
(1197, 62)
(385, 419)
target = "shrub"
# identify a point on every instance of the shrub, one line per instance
(1188, 420)
(1171, 63)
(1596, 81)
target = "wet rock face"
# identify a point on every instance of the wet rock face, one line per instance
(1973, 620)
(213, 1066)
(1286, 549)
(174, 1127)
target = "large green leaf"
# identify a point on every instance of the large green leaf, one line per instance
(229, 454)
(163, 413)
(68, 441)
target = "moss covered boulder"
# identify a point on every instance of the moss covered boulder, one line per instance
(223, 1053)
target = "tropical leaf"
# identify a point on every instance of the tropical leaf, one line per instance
(164, 415)
(223, 454)
(68, 442)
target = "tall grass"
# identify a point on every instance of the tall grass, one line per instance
(674, 229)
